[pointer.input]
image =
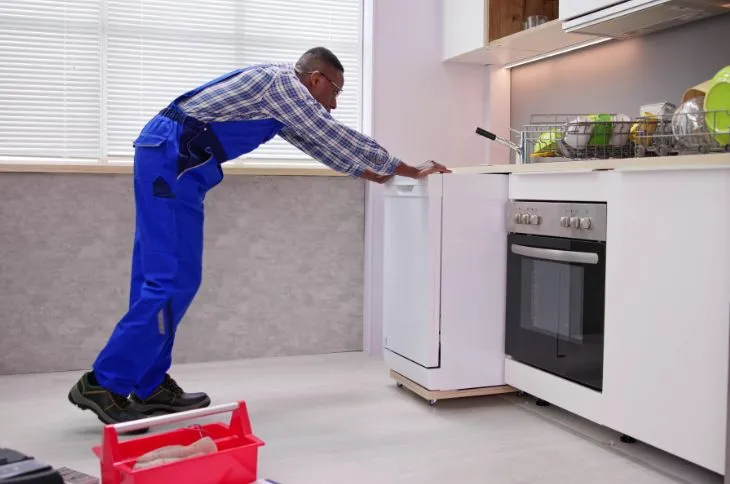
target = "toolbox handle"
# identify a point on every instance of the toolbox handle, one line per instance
(173, 418)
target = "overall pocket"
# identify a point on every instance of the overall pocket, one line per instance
(152, 158)
(147, 140)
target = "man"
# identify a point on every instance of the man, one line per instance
(178, 157)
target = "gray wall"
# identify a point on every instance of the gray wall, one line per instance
(283, 269)
(620, 76)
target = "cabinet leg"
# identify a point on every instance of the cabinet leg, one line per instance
(542, 403)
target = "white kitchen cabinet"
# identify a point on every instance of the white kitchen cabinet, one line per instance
(464, 26)
(667, 286)
(444, 280)
(666, 308)
(569, 9)
(490, 32)
(466, 36)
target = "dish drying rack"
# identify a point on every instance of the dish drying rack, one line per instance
(568, 137)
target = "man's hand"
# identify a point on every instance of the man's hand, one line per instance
(374, 177)
(431, 167)
(421, 171)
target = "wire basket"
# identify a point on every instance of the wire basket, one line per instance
(683, 132)
(576, 137)
(560, 137)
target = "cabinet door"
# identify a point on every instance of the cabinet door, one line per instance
(412, 269)
(575, 8)
(473, 280)
(464, 26)
(666, 329)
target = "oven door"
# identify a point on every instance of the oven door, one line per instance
(555, 306)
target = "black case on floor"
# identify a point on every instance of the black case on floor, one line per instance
(26, 469)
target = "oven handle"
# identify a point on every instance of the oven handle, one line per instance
(556, 255)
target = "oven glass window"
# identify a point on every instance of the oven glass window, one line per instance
(552, 299)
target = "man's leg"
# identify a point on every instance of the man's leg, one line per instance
(137, 275)
(157, 391)
(141, 334)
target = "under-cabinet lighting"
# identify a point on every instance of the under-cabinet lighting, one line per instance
(554, 53)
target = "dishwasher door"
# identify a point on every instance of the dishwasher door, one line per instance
(412, 269)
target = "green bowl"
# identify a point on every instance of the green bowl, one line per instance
(717, 106)
(546, 145)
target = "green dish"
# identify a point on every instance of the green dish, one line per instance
(717, 106)
(602, 130)
(546, 146)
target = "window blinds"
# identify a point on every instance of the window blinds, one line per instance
(50, 94)
(82, 77)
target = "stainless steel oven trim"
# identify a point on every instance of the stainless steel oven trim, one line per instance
(556, 255)
(552, 219)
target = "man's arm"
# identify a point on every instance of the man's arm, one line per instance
(316, 152)
(313, 130)
(341, 165)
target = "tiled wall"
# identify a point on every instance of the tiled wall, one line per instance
(283, 269)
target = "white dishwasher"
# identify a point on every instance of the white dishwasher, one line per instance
(412, 271)
(444, 275)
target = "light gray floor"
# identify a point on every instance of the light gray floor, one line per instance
(340, 419)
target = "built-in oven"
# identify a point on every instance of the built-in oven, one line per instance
(556, 266)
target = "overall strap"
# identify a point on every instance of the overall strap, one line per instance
(195, 91)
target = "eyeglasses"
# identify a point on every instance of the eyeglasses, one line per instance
(338, 89)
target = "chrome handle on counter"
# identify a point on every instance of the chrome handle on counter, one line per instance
(556, 255)
(499, 139)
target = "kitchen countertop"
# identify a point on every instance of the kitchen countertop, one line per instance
(685, 162)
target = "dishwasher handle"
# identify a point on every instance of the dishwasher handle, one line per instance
(556, 255)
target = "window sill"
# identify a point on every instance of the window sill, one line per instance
(126, 168)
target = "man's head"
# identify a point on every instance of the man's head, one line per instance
(323, 75)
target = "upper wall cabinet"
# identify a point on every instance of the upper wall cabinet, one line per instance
(494, 31)
(575, 8)
(633, 18)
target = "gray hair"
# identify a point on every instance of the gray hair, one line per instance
(313, 59)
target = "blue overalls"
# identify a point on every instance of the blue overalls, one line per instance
(177, 160)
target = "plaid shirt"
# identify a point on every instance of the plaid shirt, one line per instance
(273, 91)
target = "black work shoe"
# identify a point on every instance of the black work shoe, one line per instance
(169, 398)
(109, 407)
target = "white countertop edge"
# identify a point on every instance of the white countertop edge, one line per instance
(685, 162)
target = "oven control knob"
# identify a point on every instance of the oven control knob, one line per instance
(525, 219)
(574, 222)
(516, 218)
(585, 223)
(565, 221)
(535, 220)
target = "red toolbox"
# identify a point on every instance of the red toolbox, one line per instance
(234, 462)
